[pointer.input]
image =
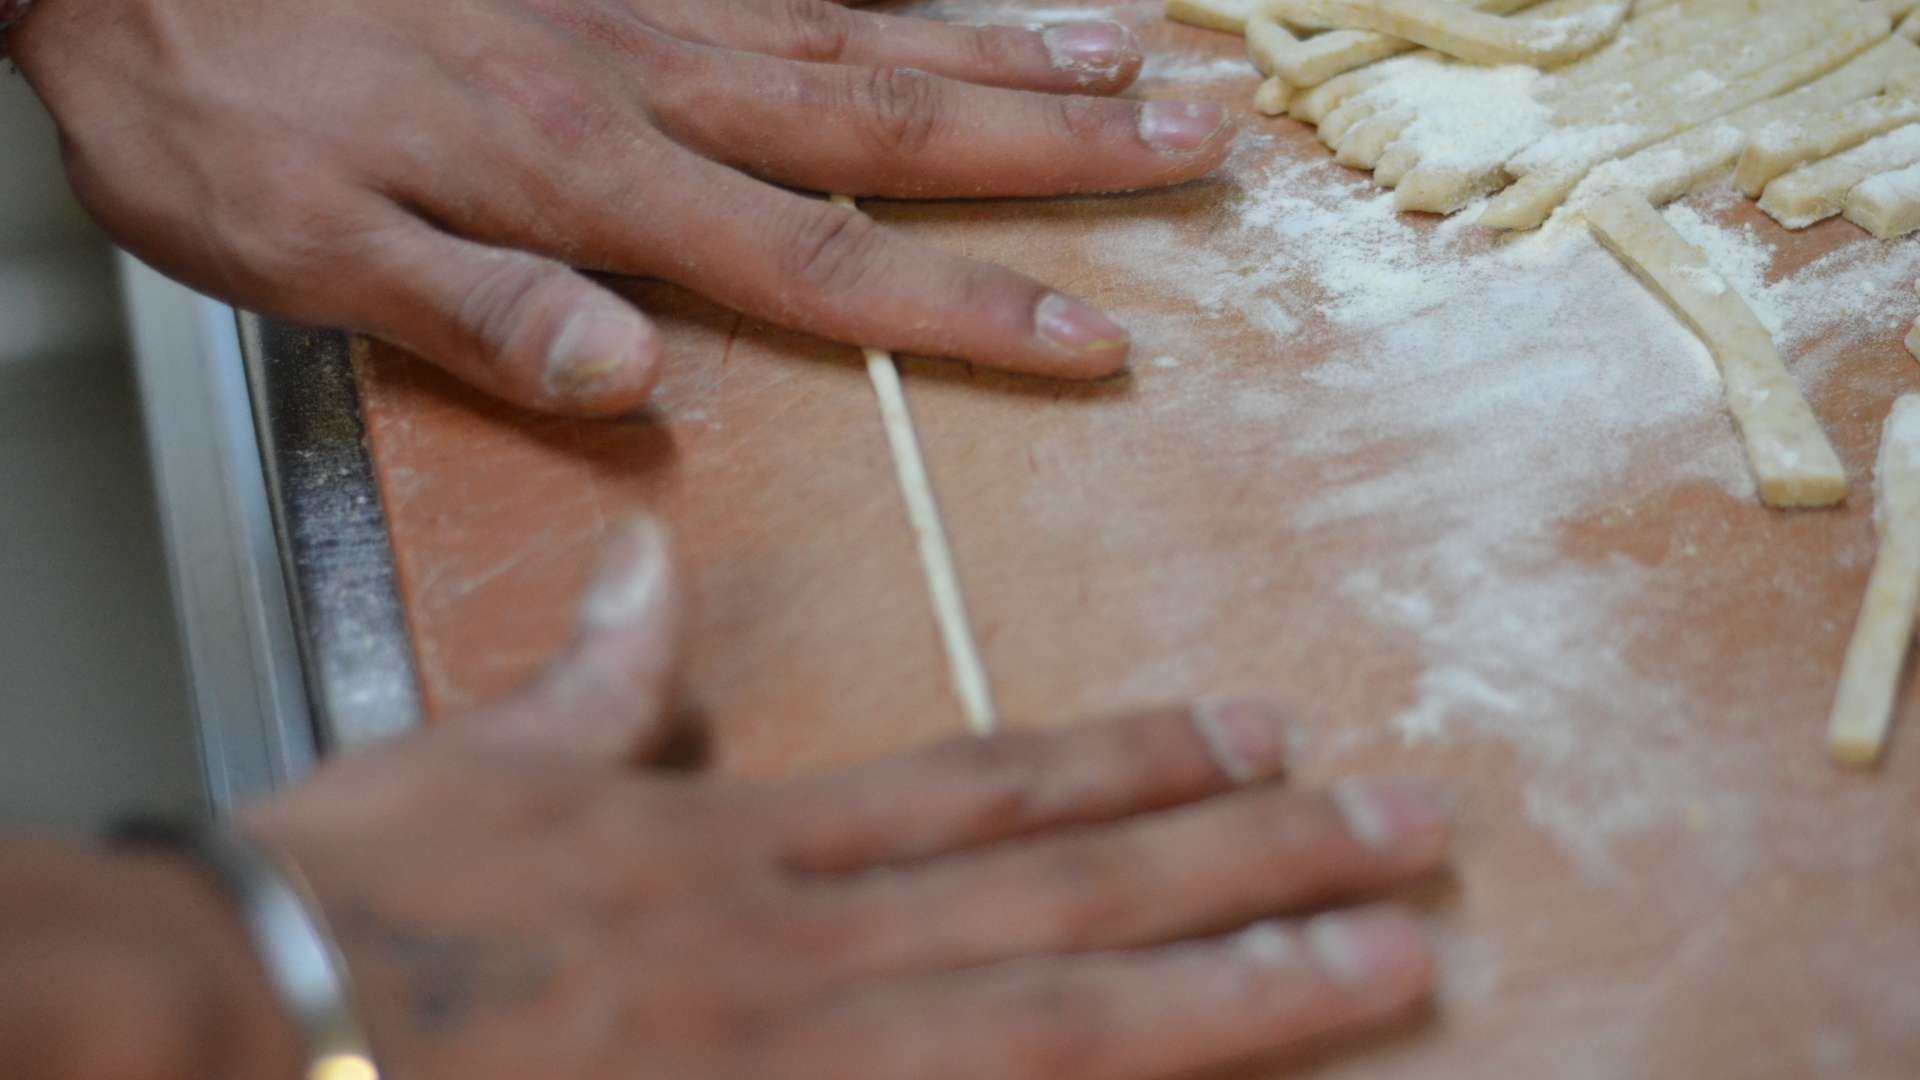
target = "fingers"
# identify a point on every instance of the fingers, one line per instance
(521, 327)
(1159, 877)
(1120, 1016)
(975, 791)
(1089, 57)
(607, 698)
(833, 272)
(899, 132)
(632, 201)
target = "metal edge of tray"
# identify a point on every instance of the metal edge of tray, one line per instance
(338, 562)
(252, 720)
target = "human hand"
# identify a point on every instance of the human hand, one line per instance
(427, 171)
(516, 898)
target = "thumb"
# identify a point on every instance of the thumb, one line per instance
(607, 698)
(522, 328)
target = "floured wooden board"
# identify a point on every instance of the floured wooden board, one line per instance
(1475, 516)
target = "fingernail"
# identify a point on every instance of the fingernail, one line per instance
(1094, 48)
(1180, 126)
(1075, 327)
(1358, 949)
(1270, 943)
(1388, 816)
(633, 576)
(1247, 741)
(593, 344)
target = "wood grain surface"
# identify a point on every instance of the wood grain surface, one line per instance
(1659, 874)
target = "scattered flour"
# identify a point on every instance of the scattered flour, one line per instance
(1173, 67)
(1464, 116)
(1854, 292)
(1467, 402)
(1557, 32)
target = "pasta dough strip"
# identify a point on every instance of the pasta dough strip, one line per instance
(1272, 97)
(1883, 635)
(1441, 185)
(1362, 145)
(1460, 31)
(1913, 335)
(1818, 191)
(1779, 148)
(1701, 47)
(1649, 35)
(1268, 41)
(1667, 170)
(1528, 203)
(1790, 455)
(1659, 104)
(1336, 52)
(1887, 205)
(1227, 16)
(1314, 60)
(1316, 103)
(968, 675)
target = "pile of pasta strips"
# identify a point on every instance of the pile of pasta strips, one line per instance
(1815, 107)
(1609, 109)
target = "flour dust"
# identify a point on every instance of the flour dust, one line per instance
(1471, 401)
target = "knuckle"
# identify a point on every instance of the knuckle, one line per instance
(905, 108)
(613, 27)
(831, 252)
(1076, 119)
(984, 287)
(1009, 780)
(816, 30)
(568, 112)
(494, 303)
(989, 47)
(274, 232)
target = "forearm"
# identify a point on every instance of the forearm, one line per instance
(128, 967)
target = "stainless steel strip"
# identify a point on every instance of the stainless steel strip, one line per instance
(333, 535)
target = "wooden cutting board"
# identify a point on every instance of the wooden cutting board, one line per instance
(1615, 665)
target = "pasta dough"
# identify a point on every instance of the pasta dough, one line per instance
(1887, 205)
(1789, 144)
(1225, 15)
(1818, 191)
(1461, 31)
(1669, 169)
(1883, 635)
(1272, 97)
(1670, 100)
(1790, 455)
(1552, 172)
(1913, 335)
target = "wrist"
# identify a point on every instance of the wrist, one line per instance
(243, 1032)
(134, 967)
